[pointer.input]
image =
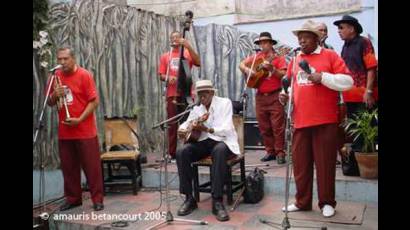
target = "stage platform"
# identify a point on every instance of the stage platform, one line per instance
(357, 204)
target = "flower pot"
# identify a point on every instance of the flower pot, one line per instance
(368, 164)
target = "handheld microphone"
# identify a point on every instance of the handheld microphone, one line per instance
(257, 49)
(285, 83)
(297, 49)
(305, 66)
(55, 68)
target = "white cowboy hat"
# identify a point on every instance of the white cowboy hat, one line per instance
(308, 26)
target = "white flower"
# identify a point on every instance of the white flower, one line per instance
(37, 45)
(43, 41)
(43, 34)
(44, 64)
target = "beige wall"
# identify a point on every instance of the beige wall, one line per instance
(246, 11)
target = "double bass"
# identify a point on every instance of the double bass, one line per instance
(184, 82)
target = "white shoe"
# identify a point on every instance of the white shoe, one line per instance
(328, 211)
(291, 208)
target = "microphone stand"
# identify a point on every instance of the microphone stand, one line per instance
(244, 99)
(42, 175)
(169, 217)
(244, 94)
(288, 140)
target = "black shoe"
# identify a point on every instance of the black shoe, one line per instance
(281, 160)
(268, 157)
(187, 207)
(218, 209)
(98, 206)
(67, 206)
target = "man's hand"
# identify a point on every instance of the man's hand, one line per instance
(368, 99)
(72, 121)
(184, 42)
(283, 98)
(315, 77)
(172, 80)
(182, 133)
(199, 126)
(268, 66)
(59, 92)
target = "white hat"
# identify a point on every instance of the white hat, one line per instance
(203, 85)
(308, 26)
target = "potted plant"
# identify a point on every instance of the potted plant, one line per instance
(364, 126)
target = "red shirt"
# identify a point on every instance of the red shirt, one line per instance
(362, 49)
(173, 68)
(315, 104)
(272, 82)
(80, 91)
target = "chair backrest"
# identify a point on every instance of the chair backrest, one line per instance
(118, 132)
(239, 123)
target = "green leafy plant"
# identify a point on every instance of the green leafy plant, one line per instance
(363, 125)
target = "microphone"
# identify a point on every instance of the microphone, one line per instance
(305, 66)
(194, 104)
(285, 83)
(189, 14)
(297, 49)
(55, 68)
(257, 49)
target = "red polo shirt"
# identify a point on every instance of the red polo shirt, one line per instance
(315, 104)
(80, 91)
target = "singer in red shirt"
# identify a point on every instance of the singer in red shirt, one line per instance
(315, 118)
(169, 63)
(269, 111)
(77, 134)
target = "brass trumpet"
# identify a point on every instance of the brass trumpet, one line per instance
(62, 101)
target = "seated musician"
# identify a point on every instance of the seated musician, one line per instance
(212, 119)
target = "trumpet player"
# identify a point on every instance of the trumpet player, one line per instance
(74, 87)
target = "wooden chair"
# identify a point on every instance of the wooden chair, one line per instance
(119, 131)
(231, 186)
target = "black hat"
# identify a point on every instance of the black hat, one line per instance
(351, 21)
(265, 36)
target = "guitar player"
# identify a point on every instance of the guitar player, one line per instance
(269, 111)
(218, 138)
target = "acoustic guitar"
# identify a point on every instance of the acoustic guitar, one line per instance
(193, 135)
(255, 80)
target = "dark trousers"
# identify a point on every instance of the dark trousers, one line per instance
(77, 154)
(315, 145)
(192, 152)
(271, 120)
(174, 106)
